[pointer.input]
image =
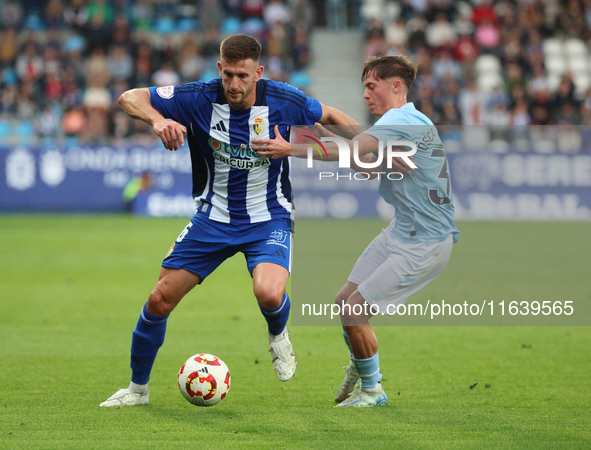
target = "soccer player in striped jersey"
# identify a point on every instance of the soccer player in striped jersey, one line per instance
(415, 248)
(243, 199)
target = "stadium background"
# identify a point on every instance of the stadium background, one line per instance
(513, 107)
(509, 85)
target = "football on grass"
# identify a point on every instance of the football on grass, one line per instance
(204, 379)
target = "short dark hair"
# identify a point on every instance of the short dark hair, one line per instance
(239, 47)
(384, 67)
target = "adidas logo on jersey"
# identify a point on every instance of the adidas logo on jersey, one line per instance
(219, 126)
(280, 253)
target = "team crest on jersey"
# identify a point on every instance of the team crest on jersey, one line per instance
(278, 236)
(258, 126)
(165, 91)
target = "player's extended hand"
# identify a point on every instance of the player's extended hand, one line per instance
(400, 165)
(171, 133)
(272, 148)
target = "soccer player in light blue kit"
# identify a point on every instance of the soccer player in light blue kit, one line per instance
(243, 199)
(416, 246)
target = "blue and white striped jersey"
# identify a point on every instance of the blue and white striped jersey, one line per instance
(231, 182)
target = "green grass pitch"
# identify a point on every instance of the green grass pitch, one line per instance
(71, 288)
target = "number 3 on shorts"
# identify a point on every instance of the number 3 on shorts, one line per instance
(184, 232)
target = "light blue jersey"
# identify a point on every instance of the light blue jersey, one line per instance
(423, 198)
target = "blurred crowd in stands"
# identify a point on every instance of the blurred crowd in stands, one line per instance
(64, 63)
(485, 63)
(509, 63)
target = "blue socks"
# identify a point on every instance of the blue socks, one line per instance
(368, 370)
(346, 337)
(277, 317)
(148, 337)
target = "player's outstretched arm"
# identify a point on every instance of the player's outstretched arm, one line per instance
(332, 116)
(136, 103)
(280, 148)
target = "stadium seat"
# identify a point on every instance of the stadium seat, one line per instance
(552, 46)
(372, 9)
(582, 82)
(487, 63)
(33, 22)
(578, 64)
(300, 79)
(576, 47)
(555, 64)
(164, 25)
(553, 80)
(252, 26)
(230, 25)
(488, 81)
(187, 24)
(5, 131)
(25, 132)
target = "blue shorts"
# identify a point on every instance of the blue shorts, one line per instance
(204, 244)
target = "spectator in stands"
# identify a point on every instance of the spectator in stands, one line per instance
(190, 62)
(465, 49)
(440, 34)
(120, 33)
(27, 103)
(8, 101)
(472, 103)
(276, 11)
(102, 9)
(520, 114)
(375, 42)
(301, 48)
(445, 66)
(142, 14)
(487, 36)
(143, 65)
(210, 47)
(8, 46)
(97, 102)
(252, 8)
(97, 66)
(450, 114)
(417, 36)
(397, 33)
(54, 63)
(209, 12)
(514, 77)
(302, 15)
(166, 76)
(76, 15)
(11, 14)
(29, 65)
(120, 63)
(571, 20)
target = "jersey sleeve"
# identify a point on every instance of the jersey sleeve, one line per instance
(177, 102)
(312, 111)
(295, 105)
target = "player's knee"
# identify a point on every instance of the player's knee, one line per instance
(341, 298)
(268, 296)
(157, 304)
